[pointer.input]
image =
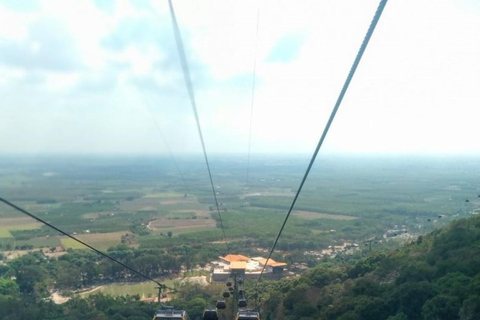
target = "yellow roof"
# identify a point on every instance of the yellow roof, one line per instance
(272, 263)
(279, 264)
(238, 265)
(235, 257)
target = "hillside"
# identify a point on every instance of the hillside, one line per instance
(436, 277)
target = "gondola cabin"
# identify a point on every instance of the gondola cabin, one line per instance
(210, 314)
(170, 314)
(247, 315)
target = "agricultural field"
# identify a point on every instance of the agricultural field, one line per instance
(309, 215)
(143, 289)
(101, 199)
(102, 241)
(7, 225)
(181, 224)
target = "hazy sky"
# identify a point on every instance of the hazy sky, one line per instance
(103, 76)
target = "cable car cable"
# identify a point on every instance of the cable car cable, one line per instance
(350, 75)
(31, 215)
(252, 102)
(167, 146)
(189, 85)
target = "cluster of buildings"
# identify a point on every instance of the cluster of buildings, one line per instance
(392, 233)
(250, 268)
(247, 268)
(332, 251)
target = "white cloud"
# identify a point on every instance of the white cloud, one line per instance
(80, 77)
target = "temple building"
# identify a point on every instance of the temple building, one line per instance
(248, 268)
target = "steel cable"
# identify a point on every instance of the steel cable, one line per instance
(189, 85)
(350, 75)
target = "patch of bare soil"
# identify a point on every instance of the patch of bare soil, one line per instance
(58, 299)
(310, 215)
(161, 224)
(199, 213)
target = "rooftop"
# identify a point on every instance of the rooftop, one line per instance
(238, 261)
(235, 257)
(238, 265)
(270, 263)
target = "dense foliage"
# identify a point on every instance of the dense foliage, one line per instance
(437, 277)
(98, 307)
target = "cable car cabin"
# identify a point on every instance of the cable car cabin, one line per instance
(210, 314)
(170, 314)
(242, 303)
(247, 315)
(221, 304)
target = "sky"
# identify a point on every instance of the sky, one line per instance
(104, 76)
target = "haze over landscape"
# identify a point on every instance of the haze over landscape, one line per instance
(98, 139)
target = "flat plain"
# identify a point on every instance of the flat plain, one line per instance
(102, 199)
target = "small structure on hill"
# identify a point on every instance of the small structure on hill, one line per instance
(248, 268)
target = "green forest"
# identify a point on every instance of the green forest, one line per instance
(436, 276)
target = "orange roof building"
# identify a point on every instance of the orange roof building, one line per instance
(249, 268)
(270, 263)
(238, 265)
(234, 257)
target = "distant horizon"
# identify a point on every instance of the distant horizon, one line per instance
(239, 155)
